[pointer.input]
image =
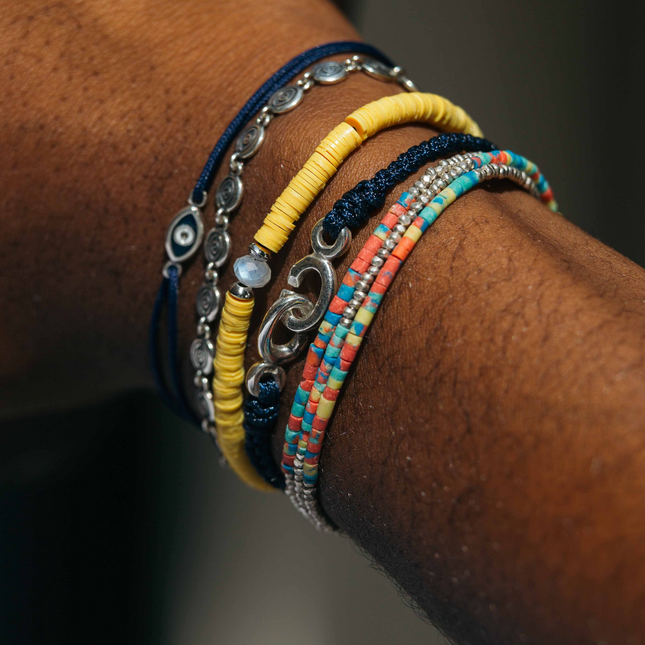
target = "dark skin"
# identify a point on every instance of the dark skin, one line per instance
(487, 450)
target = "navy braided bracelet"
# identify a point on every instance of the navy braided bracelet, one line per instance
(260, 417)
(353, 209)
(173, 394)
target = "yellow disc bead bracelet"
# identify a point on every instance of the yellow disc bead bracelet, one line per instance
(278, 224)
(227, 388)
(344, 139)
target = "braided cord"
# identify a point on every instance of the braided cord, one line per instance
(260, 417)
(354, 208)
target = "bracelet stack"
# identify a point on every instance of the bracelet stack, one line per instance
(342, 313)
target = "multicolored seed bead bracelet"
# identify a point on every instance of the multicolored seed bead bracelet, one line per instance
(351, 211)
(253, 270)
(348, 334)
(321, 354)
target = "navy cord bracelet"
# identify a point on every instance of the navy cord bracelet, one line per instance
(173, 394)
(356, 205)
(353, 210)
(260, 417)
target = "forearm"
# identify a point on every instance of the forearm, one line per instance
(496, 404)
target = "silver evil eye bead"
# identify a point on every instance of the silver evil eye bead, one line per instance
(250, 140)
(285, 99)
(202, 353)
(229, 193)
(329, 73)
(184, 234)
(208, 302)
(378, 70)
(217, 247)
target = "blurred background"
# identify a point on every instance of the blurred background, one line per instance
(116, 522)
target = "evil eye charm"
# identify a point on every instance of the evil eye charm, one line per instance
(185, 234)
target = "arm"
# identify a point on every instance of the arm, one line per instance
(486, 450)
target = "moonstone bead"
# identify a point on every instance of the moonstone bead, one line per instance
(252, 272)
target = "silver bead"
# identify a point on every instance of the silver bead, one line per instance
(362, 286)
(389, 244)
(431, 172)
(345, 322)
(285, 99)
(373, 271)
(383, 253)
(446, 177)
(376, 261)
(414, 192)
(241, 291)
(425, 198)
(419, 184)
(329, 72)
(441, 183)
(395, 237)
(416, 207)
(368, 277)
(198, 376)
(355, 304)
(359, 296)
(349, 312)
(203, 329)
(258, 253)
(405, 220)
(400, 228)
(221, 219)
(436, 188)
(229, 194)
